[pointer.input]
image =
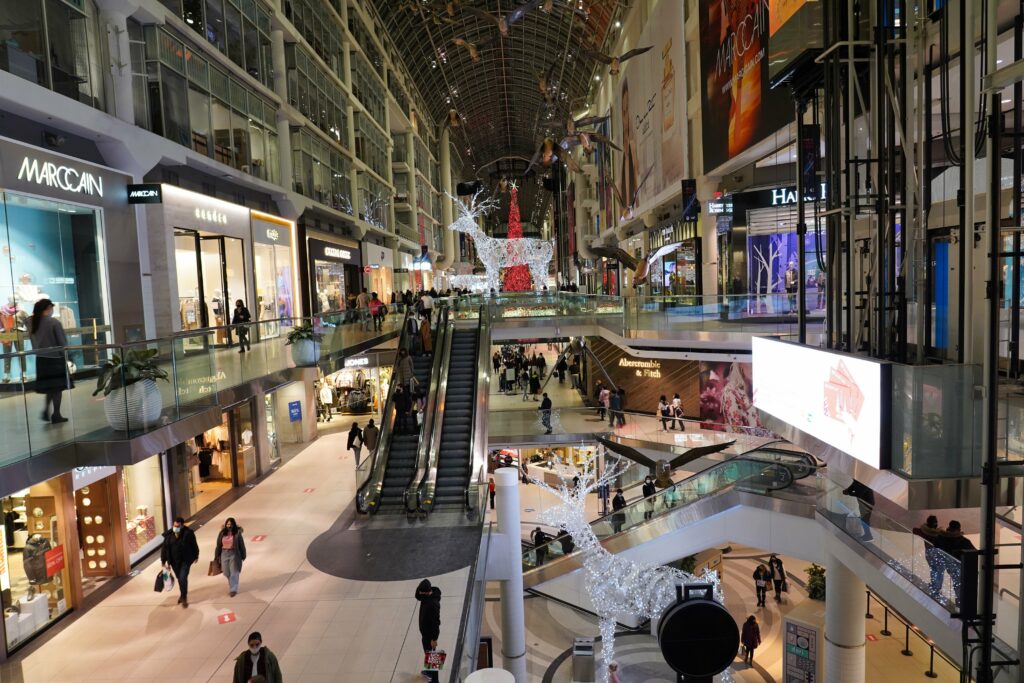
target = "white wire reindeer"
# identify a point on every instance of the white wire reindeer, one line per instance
(616, 585)
(497, 253)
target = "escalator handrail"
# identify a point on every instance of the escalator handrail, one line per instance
(368, 497)
(689, 480)
(421, 489)
(481, 398)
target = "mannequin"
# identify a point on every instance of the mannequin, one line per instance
(28, 292)
(10, 326)
(34, 559)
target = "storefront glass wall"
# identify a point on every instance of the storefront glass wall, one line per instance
(144, 514)
(56, 45)
(274, 270)
(211, 276)
(34, 577)
(356, 390)
(335, 273)
(53, 250)
(270, 407)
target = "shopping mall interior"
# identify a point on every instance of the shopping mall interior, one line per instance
(511, 341)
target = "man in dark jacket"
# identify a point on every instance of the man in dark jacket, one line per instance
(545, 413)
(933, 555)
(618, 517)
(403, 407)
(866, 502)
(180, 551)
(430, 619)
(953, 542)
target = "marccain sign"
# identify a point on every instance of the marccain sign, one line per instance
(61, 177)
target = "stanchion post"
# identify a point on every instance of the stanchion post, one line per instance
(930, 673)
(885, 625)
(906, 642)
(867, 610)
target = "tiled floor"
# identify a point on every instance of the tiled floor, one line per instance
(321, 627)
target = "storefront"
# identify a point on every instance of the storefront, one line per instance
(358, 388)
(379, 269)
(677, 269)
(36, 582)
(642, 379)
(66, 234)
(145, 514)
(275, 272)
(403, 273)
(335, 272)
(97, 508)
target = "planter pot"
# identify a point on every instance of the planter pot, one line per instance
(136, 406)
(305, 352)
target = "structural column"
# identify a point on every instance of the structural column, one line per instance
(445, 153)
(513, 622)
(284, 138)
(844, 624)
(120, 52)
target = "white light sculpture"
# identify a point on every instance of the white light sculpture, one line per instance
(497, 253)
(616, 585)
(474, 283)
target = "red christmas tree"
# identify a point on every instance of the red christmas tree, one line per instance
(517, 278)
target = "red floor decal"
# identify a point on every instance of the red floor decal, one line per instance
(308, 490)
(226, 618)
(872, 637)
(257, 539)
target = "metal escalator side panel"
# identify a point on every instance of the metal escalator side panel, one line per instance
(368, 496)
(425, 484)
(478, 455)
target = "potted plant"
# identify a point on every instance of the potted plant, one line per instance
(305, 343)
(815, 582)
(131, 397)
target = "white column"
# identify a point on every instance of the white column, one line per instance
(123, 104)
(844, 624)
(449, 256)
(513, 621)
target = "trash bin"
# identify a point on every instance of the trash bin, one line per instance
(583, 660)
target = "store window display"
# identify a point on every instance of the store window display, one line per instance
(274, 270)
(33, 573)
(211, 275)
(352, 391)
(144, 514)
(54, 250)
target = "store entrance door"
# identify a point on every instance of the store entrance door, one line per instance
(243, 442)
(210, 271)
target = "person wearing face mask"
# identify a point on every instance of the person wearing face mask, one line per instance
(648, 491)
(179, 552)
(257, 661)
(230, 553)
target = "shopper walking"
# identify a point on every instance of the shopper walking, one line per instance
(649, 490)
(229, 553)
(603, 399)
(534, 382)
(677, 413)
(256, 661)
(429, 598)
(179, 552)
(761, 578)
(426, 339)
(491, 490)
(240, 319)
(618, 516)
(615, 418)
(496, 361)
(355, 441)
(931, 533)
(778, 574)
(406, 370)
(665, 411)
(751, 638)
(561, 367)
(545, 413)
(377, 311)
(51, 367)
(371, 437)
(363, 308)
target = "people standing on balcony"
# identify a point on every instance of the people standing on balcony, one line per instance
(931, 533)
(355, 441)
(751, 638)
(51, 367)
(649, 490)
(677, 413)
(545, 413)
(426, 340)
(761, 577)
(240, 318)
(778, 574)
(363, 308)
(665, 410)
(229, 553)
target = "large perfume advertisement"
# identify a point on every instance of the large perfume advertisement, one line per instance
(739, 108)
(650, 114)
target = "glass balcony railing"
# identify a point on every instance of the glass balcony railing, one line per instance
(192, 368)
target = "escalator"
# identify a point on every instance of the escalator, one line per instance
(396, 458)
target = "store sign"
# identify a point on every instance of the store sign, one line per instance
(273, 234)
(716, 207)
(367, 269)
(211, 216)
(334, 252)
(357, 362)
(295, 411)
(83, 476)
(787, 195)
(145, 193)
(54, 560)
(60, 177)
(835, 398)
(644, 368)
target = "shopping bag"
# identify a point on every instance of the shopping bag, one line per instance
(158, 585)
(785, 586)
(215, 569)
(434, 660)
(168, 580)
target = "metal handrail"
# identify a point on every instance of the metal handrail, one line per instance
(478, 468)
(426, 457)
(368, 497)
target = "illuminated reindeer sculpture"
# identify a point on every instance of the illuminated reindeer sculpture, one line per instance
(497, 253)
(616, 585)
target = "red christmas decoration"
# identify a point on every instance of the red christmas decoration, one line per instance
(517, 278)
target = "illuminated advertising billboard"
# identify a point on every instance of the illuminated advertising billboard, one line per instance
(796, 35)
(739, 107)
(838, 399)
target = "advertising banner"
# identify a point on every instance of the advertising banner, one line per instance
(727, 396)
(835, 398)
(739, 108)
(650, 113)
